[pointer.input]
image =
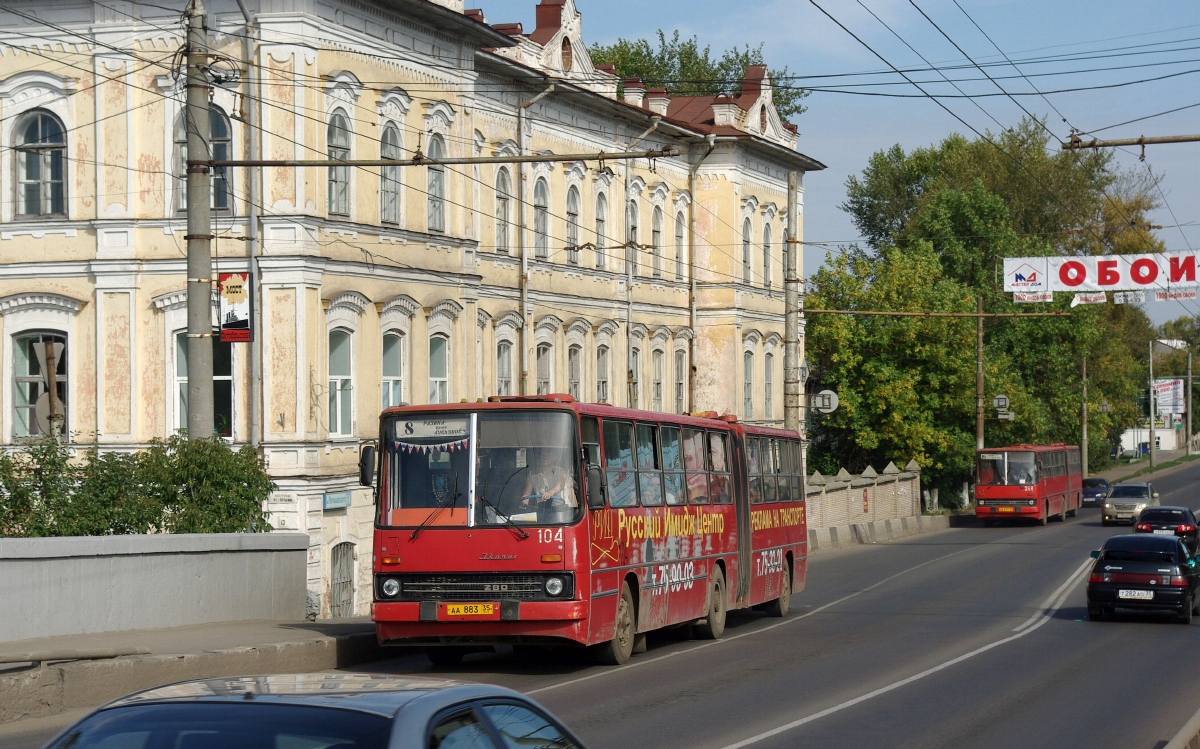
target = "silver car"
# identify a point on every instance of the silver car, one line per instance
(320, 711)
(1125, 501)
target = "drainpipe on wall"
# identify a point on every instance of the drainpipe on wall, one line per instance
(526, 315)
(630, 375)
(711, 140)
(254, 131)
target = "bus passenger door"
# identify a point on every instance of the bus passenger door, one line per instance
(741, 499)
(603, 553)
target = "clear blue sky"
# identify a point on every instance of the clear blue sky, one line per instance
(1157, 38)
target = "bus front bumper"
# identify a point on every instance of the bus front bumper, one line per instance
(412, 622)
(1007, 511)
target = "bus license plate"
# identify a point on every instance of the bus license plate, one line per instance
(470, 609)
(1136, 595)
(1006, 509)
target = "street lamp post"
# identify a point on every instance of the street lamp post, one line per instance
(1153, 452)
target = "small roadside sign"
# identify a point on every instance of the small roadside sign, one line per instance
(1006, 416)
(827, 401)
(1000, 403)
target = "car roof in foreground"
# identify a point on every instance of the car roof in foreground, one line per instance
(1141, 542)
(382, 695)
(1167, 508)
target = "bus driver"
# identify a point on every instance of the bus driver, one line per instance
(547, 479)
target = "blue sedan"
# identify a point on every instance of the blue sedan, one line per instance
(320, 711)
(1095, 491)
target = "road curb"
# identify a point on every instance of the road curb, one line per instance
(50, 688)
(874, 531)
(1188, 736)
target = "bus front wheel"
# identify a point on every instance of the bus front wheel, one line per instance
(616, 651)
(1045, 518)
(713, 625)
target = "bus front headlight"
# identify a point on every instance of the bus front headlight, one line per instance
(554, 586)
(390, 587)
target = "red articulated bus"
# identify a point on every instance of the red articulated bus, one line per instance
(537, 520)
(1028, 481)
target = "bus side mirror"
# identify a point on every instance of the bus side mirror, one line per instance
(366, 465)
(1095, 555)
(595, 488)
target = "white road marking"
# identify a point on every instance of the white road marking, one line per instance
(1049, 600)
(1057, 602)
(790, 620)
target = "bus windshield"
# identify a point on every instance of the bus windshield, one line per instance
(525, 469)
(1007, 469)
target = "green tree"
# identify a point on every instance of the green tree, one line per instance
(684, 68)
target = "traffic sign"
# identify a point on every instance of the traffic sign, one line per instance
(1006, 416)
(827, 401)
(1000, 403)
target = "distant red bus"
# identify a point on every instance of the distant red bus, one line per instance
(540, 521)
(1028, 481)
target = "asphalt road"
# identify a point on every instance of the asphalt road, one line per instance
(971, 637)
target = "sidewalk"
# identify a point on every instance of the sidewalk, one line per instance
(47, 676)
(1118, 473)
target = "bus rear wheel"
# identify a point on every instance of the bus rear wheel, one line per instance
(616, 651)
(779, 607)
(713, 625)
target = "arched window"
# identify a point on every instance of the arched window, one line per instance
(656, 230)
(439, 369)
(32, 355)
(656, 380)
(545, 365)
(768, 386)
(393, 369)
(337, 139)
(680, 243)
(504, 368)
(575, 372)
(601, 229)
(222, 148)
(748, 385)
(340, 391)
(435, 214)
(680, 381)
(541, 219)
(41, 146)
(573, 225)
(766, 255)
(635, 366)
(631, 238)
(389, 176)
(602, 374)
(222, 354)
(746, 251)
(503, 208)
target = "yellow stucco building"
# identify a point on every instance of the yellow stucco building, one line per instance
(654, 284)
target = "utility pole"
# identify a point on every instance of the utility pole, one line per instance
(1083, 451)
(791, 312)
(199, 229)
(1153, 451)
(1188, 428)
(979, 373)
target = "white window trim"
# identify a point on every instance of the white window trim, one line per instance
(345, 312)
(27, 313)
(351, 172)
(22, 93)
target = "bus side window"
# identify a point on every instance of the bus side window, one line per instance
(672, 463)
(590, 429)
(769, 458)
(694, 464)
(754, 470)
(618, 462)
(786, 469)
(649, 469)
(719, 480)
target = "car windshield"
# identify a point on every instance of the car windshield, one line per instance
(525, 469)
(1129, 492)
(1095, 483)
(228, 725)
(1007, 468)
(1164, 516)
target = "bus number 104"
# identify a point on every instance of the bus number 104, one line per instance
(549, 535)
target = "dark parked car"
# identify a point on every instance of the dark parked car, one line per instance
(1144, 572)
(320, 711)
(1095, 490)
(1170, 521)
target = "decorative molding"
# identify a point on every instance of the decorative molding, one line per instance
(682, 199)
(38, 233)
(685, 333)
(401, 304)
(344, 86)
(772, 340)
(770, 210)
(510, 319)
(636, 186)
(606, 327)
(751, 336)
(638, 330)
(551, 323)
(659, 192)
(439, 116)
(447, 308)
(39, 301)
(351, 300)
(661, 333)
(174, 300)
(749, 205)
(580, 326)
(394, 105)
(482, 317)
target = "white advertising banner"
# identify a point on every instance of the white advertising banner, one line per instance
(1155, 271)
(1169, 394)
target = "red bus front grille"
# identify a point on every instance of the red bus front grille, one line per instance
(472, 587)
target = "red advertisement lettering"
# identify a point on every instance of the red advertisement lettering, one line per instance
(1072, 273)
(1107, 274)
(1183, 268)
(1144, 271)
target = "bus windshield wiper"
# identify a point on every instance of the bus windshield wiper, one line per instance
(508, 523)
(441, 506)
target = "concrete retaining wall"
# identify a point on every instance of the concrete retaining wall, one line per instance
(87, 584)
(847, 499)
(839, 537)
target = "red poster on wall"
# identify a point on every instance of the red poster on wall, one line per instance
(236, 308)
